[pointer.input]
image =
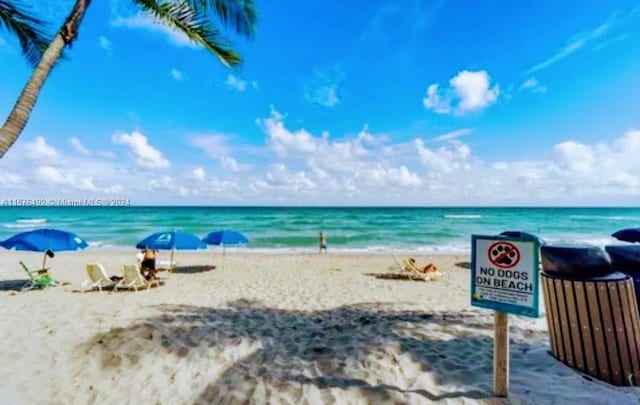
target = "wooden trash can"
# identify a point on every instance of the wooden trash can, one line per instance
(594, 326)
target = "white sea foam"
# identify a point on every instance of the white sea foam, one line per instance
(25, 223)
(607, 217)
(31, 221)
(583, 239)
(462, 216)
(19, 226)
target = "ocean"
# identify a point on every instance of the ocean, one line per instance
(295, 229)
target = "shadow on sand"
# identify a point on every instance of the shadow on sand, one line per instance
(392, 276)
(12, 285)
(193, 269)
(326, 348)
(464, 265)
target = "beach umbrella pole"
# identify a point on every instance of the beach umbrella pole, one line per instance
(44, 259)
(171, 261)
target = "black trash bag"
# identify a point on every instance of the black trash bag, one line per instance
(524, 235)
(624, 257)
(576, 261)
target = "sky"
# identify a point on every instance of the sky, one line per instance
(365, 102)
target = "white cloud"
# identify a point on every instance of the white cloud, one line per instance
(532, 85)
(39, 148)
(144, 154)
(11, 180)
(213, 145)
(574, 156)
(599, 37)
(199, 173)
(324, 86)
(105, 44)
(297, 166)
(177, 75)
(79, 147)
(146, 23)
(470, 91)
(574, 44)
(235, 83)
(472, 88)
(230, 163)
(433, 101)
(454, 134)
(52, 175)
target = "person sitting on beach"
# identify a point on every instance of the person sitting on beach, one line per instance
(148, 264)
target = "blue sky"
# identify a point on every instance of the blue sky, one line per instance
(363, 102)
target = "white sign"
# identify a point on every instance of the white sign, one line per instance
(505, 274)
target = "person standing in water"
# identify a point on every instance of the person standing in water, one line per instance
(323, 242)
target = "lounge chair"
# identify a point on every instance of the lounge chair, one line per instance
(132, 279)
(38, 278)
(98, 278)
(428, 273)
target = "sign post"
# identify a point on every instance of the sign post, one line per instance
(505, 278)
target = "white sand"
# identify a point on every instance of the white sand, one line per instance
(271, 328)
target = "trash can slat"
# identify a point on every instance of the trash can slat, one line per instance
(565, 330)
(585, 328)
(573, 324)
(598, 332)
(550, 309)
(620, 331)
(629, 313)
(609, 330)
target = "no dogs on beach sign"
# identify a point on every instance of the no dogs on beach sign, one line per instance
(504, 274)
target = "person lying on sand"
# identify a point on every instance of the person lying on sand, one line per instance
(426, 269)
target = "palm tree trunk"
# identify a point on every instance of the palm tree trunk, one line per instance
(21, 111)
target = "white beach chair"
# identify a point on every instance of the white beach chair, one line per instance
(98, 278)
(132, 279)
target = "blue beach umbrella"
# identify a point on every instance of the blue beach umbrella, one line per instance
(225, 237)
(171, 240)
(45, 240)
(628, 235)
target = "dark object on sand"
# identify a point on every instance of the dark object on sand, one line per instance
(628, 235)
(524, 235)
(575, 261)
(626, 259)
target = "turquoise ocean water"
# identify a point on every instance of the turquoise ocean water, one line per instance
(276, 229)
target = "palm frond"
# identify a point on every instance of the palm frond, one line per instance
(29, 29)
(239, 14)
(182, 16)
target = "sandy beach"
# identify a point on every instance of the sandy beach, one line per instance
(269, 328)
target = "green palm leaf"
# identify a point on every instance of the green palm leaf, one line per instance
(240, 14)
(193, 21)
(29, 30)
